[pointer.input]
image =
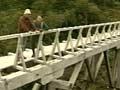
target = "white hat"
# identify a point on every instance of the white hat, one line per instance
(27, 11)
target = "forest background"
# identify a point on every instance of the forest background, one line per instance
(56, 13)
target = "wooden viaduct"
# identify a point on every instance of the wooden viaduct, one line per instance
(50, 61)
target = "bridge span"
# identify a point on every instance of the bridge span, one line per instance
(89, 47)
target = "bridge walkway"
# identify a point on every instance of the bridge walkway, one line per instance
(51, 61)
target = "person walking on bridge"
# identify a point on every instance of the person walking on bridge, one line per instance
(25, 24)
(41, 26)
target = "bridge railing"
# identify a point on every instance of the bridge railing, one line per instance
(94, 34)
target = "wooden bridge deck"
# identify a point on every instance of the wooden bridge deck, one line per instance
(54, 68)
(43, 71)
(7, 61)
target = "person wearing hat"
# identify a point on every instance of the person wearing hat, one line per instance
(41, 26)
(25, 24)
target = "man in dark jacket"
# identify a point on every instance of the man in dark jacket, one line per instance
(25, 24)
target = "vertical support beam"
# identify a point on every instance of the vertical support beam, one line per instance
(116, 69)
(98, 64)
(96, 36)
(109, 31)
(88, 38)
(114, 30)
(40, 47)
(36, 86)
(108, 68)
(69, 41)
(103, 33)
(115, 63)
(39, 86)
(56, 45)
(0, 74)
(118, 29)
(95, 64)
(88, 69)
(80, 38)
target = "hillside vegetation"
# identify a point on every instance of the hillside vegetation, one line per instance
(57, 13)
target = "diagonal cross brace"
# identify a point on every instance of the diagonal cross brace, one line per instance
(19, 55)
(68, 85)
(56, 44)
(69, 41)
(40, 47)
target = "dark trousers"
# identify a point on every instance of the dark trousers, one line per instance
(34, 43)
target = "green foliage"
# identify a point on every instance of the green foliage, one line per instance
(95, 15)
(105, 3)
(54, 19)
(56, 13)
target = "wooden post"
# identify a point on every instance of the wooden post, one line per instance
(0, 72)
(40, 47)
(108, 68)
(116, 69)
(88, 69)
(97, 64)
(36, 86)
(39, 86)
